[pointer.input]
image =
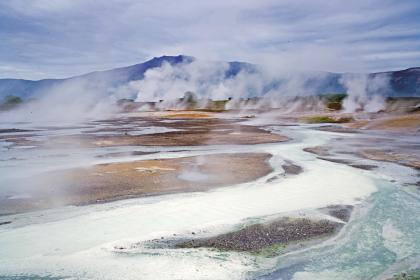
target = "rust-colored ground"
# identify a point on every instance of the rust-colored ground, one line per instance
(410, 160)
(192, 132)
(398, 122)
(107, 182)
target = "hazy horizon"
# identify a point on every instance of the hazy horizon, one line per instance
(198, 58)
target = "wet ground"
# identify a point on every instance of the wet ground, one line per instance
(249, 199)
(48, 166)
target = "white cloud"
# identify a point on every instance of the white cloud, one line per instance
(58, 38)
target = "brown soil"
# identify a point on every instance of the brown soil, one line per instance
(201, 134)
(405, 123)
(318, 150)
(193, 131)
(108, 182)
(410, 160)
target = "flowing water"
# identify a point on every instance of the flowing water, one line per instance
(82, 242)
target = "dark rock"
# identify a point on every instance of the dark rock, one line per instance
(364, 166)
(260, 236)
(342, 212)
(336, 160)
(291, 168)
(272, 179)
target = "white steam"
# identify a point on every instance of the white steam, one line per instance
(364, 92)
(208, 80)
(80, 99)
(70, 101)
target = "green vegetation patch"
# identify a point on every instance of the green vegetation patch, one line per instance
(334, 101)
(327, 119)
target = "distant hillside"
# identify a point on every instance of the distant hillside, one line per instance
(27, 88)
(403, 83)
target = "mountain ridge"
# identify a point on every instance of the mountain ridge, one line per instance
(405, 82)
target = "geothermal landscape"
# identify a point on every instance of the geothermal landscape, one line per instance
(209, 140)
(185, 172)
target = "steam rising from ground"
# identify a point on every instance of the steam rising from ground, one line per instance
(213, 80)
(70, 101)
(365, 93)
(79, 99)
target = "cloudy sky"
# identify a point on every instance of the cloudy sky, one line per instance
(60, 38)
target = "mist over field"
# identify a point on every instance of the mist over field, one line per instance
(166, 79)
